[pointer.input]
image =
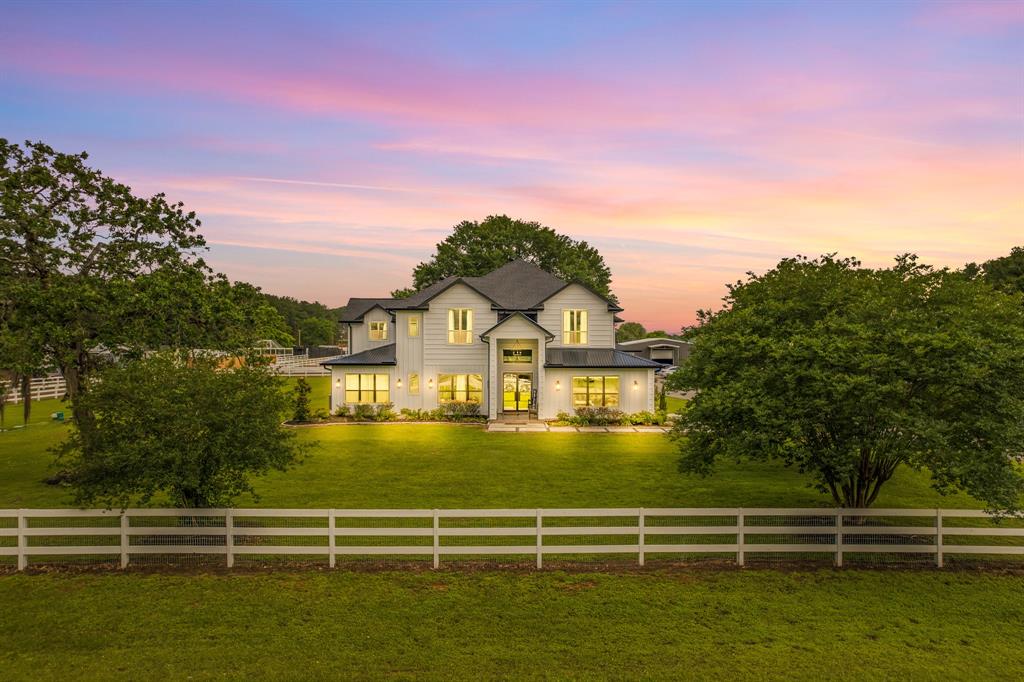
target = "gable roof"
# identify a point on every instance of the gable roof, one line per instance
(381, 355)
(487, 333)
(357, 307)
(518, 285)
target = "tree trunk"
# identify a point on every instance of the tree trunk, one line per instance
(74, 377)
(26, 395)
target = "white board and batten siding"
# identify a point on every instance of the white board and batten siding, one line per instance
(600, 321)
(409, 355)
(640, 399)
(441, 357)
(360, 336)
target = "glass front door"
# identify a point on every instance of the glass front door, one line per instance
(517, 389)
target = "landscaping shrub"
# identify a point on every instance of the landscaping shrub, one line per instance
(302, 390)
(598, 416)
(363, 412)
(342, 411)
(461, 410)
(385, 412)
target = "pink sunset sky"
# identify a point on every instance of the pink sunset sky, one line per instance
(328, 147)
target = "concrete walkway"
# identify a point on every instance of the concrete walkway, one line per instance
(541, 427)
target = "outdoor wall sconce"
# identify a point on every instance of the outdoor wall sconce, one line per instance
(558, 385)
(398, 383)
(337, 382)
(430, 383)
(636, 385)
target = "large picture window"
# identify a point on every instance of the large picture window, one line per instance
(460, 325)
(367, 388)
(574, 327)
(378, 331)
(460, 387)
(595, 391)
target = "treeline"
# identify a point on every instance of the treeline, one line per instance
(311, 323)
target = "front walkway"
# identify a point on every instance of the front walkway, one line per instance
(541, 427)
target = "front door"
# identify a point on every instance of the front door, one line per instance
(517, 388)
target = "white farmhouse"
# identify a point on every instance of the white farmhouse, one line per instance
(517, 340)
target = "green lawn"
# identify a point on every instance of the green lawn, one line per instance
(756, 625)
(427, 466)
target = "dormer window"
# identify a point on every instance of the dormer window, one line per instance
(574, 327)
(460, 325)
(378, 331)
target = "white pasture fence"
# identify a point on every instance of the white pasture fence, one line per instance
(734, 534)
(300, 366)
(42, 388)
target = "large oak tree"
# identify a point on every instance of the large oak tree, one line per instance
(475, 248)
(848, 373)
(87, 265)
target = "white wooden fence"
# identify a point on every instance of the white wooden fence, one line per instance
(731, 533)
(300, 366)
(42, 388)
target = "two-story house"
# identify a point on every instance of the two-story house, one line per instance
(517, 340)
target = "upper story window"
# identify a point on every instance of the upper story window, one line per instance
(414, 384)
(574, 327)
(414, 326)
(378, 331)
(460, 325)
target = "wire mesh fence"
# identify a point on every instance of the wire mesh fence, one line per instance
(384, 538)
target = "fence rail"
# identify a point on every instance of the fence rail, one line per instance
(735, 534)
(41, 388)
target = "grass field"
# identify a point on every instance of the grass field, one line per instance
(426, 466)
(757, 625)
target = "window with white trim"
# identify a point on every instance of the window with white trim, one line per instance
(460, 388)
(367, 388)
(574, 327)
(378, 331)
(414, 326)
(460, 325)
(595, 391)
(414, 384)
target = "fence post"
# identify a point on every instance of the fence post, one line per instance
(839, 538)
(331, 554)
(540, 541)
(437, 541)
(640, 540)
(22, 541)
(740, 558)
(938, 538)
(124, 539)
(229, 537)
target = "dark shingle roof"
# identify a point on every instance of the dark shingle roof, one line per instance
(517, 314)
(382, 355)
(357, 307)
(518, 285)
(596, 358)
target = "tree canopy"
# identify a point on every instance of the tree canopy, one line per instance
(85, 264)
(630, 331)
(179, 426)
(310, 323)
(847, 373)
(476, 248)
(1005, 273)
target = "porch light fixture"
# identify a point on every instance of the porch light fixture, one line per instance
(430, 383)
(558, 385)
(636, 385)
(337, 382)
(398, 384)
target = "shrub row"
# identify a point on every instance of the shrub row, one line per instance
(609, 416)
